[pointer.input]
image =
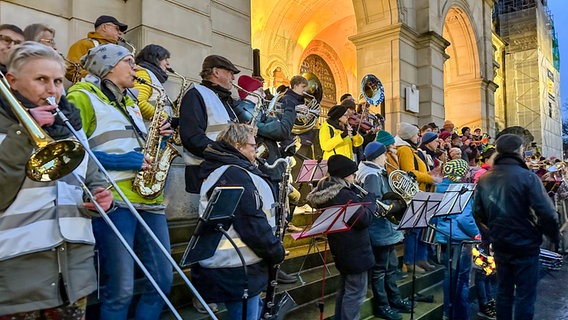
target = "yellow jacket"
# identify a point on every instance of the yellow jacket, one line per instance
(335, 144)
(409, 161)
(79, 49)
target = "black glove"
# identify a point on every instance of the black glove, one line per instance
(344, 134)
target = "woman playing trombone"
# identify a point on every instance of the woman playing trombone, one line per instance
(46, 241)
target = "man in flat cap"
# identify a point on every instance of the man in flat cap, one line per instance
(513, 211)
(107, 30)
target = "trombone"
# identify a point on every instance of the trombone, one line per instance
(55, 159)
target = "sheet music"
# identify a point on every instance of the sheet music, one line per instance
(332, 219)
(455, 199)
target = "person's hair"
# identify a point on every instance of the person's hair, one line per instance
(345, 96)
(281, 88)
(205, 74)
(153, 54)
(425, 127)
(31, 50)
(296, 80)
(11, 27)
(33, 31)
(236, 133)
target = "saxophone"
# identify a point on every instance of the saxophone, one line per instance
(150, 183)
(271, 309)
(176, 104)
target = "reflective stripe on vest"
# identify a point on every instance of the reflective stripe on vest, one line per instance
(113, 132)
(225, 255)
(217, 120)
(43, 215)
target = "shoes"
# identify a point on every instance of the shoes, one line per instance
(487, 312)
(199, 307)
(425, 265)
(403, 305)
(418, 269)
(285, 278)
(293, 228)
(387, 313)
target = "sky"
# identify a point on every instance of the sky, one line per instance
(559, 10)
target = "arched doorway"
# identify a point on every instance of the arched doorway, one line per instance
(462, 78)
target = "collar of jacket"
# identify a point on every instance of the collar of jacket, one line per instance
(334, 124)
(97, 36)
(218, 154)
(298, 97)
(510, 159)
(221, 92)
(325, 191)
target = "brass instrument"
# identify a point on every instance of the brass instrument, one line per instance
(150, 183)
(373, 92)
(258, 105)
(314, 93)
(140, 220)
(77, 67)
(128, 44)
(403, 184)
(176, 104)
(52, 159)
(391, 212)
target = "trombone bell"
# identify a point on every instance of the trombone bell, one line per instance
(55, 160)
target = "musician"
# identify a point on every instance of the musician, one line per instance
(107, 30)
(10, 36)
(387, 140)
(153, 62)
(512, 203)
(429, 146)
(41, 33)
(463, 228)
(336, 136)
(205, 110)
(406, 144)
(46, 260)
(351, 249)
(230, 161)
(373, 177)
(116, 132)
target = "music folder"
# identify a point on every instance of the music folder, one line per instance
(312, 170)
(219, 213)
(332, 219)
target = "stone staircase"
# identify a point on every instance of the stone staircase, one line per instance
(307, 292)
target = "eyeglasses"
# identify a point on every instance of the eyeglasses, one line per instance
(117, 28)
(50, 42)
(8, 41)
(252, 145)
(130, 62)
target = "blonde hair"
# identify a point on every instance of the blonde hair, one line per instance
(30, 50)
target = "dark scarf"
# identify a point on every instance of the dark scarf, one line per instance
(510, 158)
(58, 130)
(412, 144)
(218, 154)
(157, 71)
(221, 92)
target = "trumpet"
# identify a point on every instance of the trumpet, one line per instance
(389, 211)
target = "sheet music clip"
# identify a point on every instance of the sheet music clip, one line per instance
(455, 199)
(332, 219)
(422, 208)
(312, 170)
(218, 215)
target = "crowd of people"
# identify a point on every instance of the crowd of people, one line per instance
(49, 231)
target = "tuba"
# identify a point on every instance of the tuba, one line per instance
(52, 159)
(403, 184)
(150, 183)
(307, 119)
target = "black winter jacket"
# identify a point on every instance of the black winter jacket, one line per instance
(226, 284)
(351, 249)
(512, 203)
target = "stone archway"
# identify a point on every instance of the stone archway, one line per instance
(462, 78)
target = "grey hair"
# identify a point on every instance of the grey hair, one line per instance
(206, 74)
(30, 50)
(236, 133)
(33, 31)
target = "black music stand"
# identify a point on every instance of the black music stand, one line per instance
(422, 208)
(454, 201)
(212, 225)
(312, 170)
(332, 219)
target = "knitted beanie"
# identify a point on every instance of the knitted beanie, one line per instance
(445, 134)
(248, 83)
(385, 138)
(100, 60)
(429, 137)
(336, 112)
(455, 169)
(340, 166)
(373, 150)
(407, 131)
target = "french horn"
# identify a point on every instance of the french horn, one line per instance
(307, 119)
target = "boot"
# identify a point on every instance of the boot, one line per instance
(285, 278)
(388, 313)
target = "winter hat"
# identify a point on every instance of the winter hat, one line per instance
(455, 169)
(429, 137)
(445, 134)
(407, 131)
(385, 138)
(508, 143)
(448, 125)
(100, 60)
(340, 166)
(433, 125)
(373, 150)
(336, 112)
(215, 61)
(464, 129)
(249, 84)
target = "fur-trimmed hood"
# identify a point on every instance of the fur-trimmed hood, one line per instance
(325, 191)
